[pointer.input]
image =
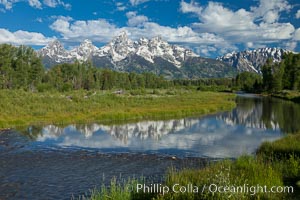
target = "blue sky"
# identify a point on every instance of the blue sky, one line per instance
(210, 28)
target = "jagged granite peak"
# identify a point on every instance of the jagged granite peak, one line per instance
(252, 60)
(121, 38)
(54, 53)
(119, 47)
(53, 48)
(144, 55)
(84, 51)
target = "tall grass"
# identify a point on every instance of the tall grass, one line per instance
(284, 154)
(281, 149)
(246, 171)
(276, 164)
(18, 107)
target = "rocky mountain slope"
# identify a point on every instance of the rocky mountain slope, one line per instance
(252, 60)
(145, 55)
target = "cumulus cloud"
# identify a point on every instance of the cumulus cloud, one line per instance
(120, 6)
(97, 30)
(257, 26)
(101, 30)
(291, 45)
(191, 7)
(55, 3)
(23, 37)
(35, 4)
(297, 35)
(51, 3)
(40, 20)
(137, 2)
(8, 4)
(298, 14)
(269, 10)
(136, 20)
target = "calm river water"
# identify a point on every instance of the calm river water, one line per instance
(58, 162)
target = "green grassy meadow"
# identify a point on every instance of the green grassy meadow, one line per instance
(19, 108)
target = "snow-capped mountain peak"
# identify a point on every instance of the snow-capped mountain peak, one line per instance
(252, 60)
(118, 49)
(144, 55)
(53, 48)
(84, 51)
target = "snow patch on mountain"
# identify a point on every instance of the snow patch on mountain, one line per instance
(118, 49)
(252, 60)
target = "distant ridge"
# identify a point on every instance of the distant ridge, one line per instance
(252, 60)
(145, 55)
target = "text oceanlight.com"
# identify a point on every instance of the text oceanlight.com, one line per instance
(211, 188)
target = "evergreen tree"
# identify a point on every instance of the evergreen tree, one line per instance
(267, 75)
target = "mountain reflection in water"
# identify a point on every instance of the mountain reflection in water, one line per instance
(229, 134)
(264, 113)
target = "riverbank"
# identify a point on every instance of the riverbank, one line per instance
(276, 165)
(288, 95)
(20, 108)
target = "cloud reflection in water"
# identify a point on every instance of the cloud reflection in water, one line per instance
(209, 137)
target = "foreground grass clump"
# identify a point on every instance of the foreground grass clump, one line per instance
(242, 177)
(18, 107)
(281, 149)
(245, 172)
(277, 164)
(284, 154)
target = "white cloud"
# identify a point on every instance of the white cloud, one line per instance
(249, 44)
(260, 25)
(269, 10)
(205, 50)
(271, 17)
(137, 2)
(23, 37)
(35, 4)
(55, 3)
(8, 4)
(97, 30)
(120, 6)
(50, 3)
(298, 14)
(102, 31)
(39, 19)
(136, 20)
(291, 45)
(191, 7)
(297, 35)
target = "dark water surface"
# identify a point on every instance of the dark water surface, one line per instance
(58, 162)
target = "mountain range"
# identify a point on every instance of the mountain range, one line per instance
(252, 60)
(157, 56)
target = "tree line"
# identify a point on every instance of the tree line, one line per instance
(21, 68)
(275, 77)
